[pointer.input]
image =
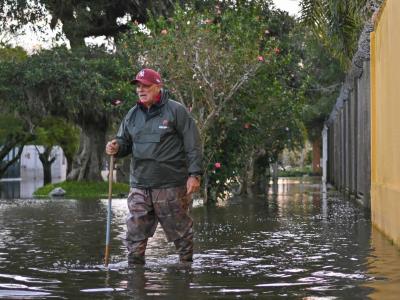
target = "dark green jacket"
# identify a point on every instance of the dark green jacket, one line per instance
(164, 143)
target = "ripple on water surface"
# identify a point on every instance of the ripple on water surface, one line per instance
(295, 242)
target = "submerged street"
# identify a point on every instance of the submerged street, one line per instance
(298, 242)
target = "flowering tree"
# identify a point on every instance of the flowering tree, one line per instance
(206, 59)
(201, 58)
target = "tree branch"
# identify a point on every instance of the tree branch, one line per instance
(11, 162)
(241, 81)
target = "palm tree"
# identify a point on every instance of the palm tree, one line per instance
(338, 23)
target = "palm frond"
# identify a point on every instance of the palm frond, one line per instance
(311, 11)
(336, 23)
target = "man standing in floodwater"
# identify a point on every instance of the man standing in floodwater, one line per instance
(166, 167)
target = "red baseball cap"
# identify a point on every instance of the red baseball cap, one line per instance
(147, 77)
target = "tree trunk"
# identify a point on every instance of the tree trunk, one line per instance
(46, 163)
(261, 166)
(46, 174)
(246, 177)
(243, 185)
(275, 172)
(316, 156)
(4, 165)
(87, 164)
(250, 174)
(70, 159)
(11, 142)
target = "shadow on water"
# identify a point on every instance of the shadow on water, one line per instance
(299, 241)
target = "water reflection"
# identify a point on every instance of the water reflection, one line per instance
(384, 268)
(300, 241)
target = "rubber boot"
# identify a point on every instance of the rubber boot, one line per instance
(184, 246)
(136, 252)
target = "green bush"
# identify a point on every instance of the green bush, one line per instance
(84, 189)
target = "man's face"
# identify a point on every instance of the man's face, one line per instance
(147, 93)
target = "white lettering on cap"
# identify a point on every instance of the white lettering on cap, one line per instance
(141, 73)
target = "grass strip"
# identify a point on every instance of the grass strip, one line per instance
(84, 189)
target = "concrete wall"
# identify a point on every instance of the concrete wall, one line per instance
(348, 129)
(385, 111)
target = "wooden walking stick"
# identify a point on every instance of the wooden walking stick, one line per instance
(110, 180)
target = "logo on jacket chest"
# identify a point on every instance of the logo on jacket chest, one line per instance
(164, 124)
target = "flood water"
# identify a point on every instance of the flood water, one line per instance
(298, 242)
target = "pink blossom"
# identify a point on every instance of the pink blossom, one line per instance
(217, 165)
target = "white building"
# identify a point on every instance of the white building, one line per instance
(28, 172)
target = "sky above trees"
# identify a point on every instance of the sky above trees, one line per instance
(32, 41)
(291, 6)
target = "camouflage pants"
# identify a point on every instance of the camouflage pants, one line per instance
(169, 207)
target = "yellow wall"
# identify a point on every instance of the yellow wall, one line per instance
(385, 121)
